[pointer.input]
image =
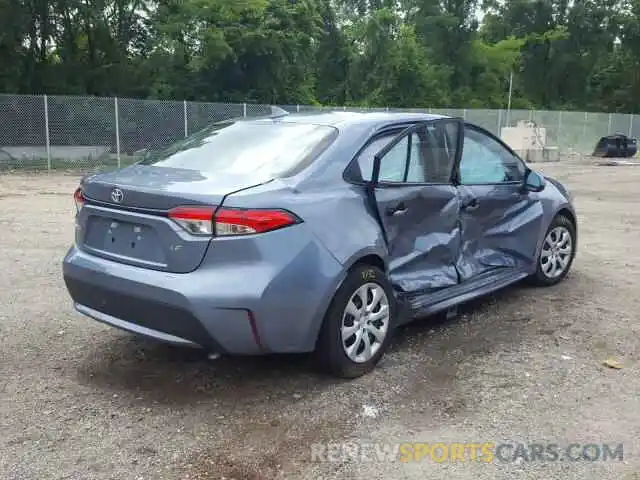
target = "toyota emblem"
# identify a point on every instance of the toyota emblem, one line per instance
(117, 195)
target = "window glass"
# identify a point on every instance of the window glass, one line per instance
(430, 152)
(393, 164)
(486, 161)
(264, 148)
(416, 171)
(365, 159)
(440, 140)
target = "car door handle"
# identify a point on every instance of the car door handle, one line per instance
(471, 205)
(395, 210)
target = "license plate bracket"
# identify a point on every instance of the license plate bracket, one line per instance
(124, 239)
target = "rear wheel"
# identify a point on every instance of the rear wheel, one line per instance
(358, 325)
(557, 253)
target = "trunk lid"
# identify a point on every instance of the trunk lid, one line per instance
(145, 187)
(124, 218)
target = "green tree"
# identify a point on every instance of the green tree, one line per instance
(580, 54)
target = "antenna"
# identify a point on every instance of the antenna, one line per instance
(277, 112)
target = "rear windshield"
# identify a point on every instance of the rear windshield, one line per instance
(267, 148)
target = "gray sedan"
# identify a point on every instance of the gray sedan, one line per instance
(313, 233)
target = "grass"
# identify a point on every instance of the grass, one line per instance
(104, 162)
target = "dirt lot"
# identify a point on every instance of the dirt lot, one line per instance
(82, 401)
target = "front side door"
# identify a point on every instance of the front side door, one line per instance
(418, 207)
(500, 222)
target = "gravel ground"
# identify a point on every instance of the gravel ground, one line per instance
(79, 400)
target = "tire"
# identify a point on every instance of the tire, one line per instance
(541, 277)
(331, 352)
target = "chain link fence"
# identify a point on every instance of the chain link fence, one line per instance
(65, 132)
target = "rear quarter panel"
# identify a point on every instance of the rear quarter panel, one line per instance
(339, 225)
(334, 212)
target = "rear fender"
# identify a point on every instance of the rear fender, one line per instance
(355, 259)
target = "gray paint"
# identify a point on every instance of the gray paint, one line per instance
(436, 255)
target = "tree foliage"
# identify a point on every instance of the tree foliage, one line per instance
(579, 54)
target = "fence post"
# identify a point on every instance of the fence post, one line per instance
(244, 110)
(584, 128)
(499, 122)
(630, 125)
(609, 127)
(184, 114)
(298, 108)
(559, 128)
(464, 114)
(115, 105)
(46, 131)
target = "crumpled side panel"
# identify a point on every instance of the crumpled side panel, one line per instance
(423, 245)
(430, 266)
(502, 233)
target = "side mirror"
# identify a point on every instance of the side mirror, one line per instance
(533, 182)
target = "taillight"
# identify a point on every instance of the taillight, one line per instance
(230, 221)
(235, 221)
(78, 198)
(195, 220)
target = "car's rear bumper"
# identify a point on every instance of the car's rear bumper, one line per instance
(167, 321)
(246, 310)
(135, 328)
(154, 306)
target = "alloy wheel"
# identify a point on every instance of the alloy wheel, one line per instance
(365, 322)
(556, 252)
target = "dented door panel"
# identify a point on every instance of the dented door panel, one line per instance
(418, 205)
(422, 242)
(501, 232)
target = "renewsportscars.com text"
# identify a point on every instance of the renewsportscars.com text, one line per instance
(485, 452)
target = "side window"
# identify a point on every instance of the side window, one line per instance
(415, 172)
(393, 164)
(365, 159)
(485, 161)
(441, 139)
(426, 155)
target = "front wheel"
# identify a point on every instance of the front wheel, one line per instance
(556, 254)
(358, 325)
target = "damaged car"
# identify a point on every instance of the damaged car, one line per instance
(318, 232)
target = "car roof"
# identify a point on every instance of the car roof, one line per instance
(339, 118)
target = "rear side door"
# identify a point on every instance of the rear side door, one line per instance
(500, 221)
(417, 205)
